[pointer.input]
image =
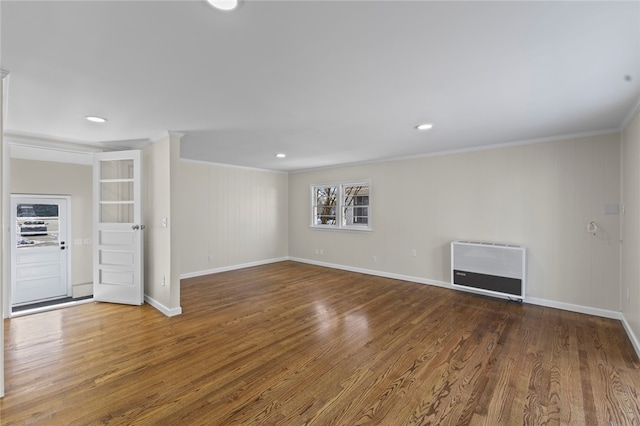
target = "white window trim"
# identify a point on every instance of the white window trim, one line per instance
(340, 207)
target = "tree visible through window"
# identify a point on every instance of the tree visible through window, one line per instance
(325, 210)
(341, 206)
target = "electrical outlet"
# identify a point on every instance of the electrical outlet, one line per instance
(210, 258)
(375, 259)
(321, 252)
(414, 253)
(317, 251)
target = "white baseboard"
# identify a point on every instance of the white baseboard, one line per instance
(533, 300)
(632, 336)
(605, 313)
(82, 290)
(383, 274)
(170, 312)
(231, 268)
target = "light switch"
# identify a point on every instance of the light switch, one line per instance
(77, 241)
(164, 222)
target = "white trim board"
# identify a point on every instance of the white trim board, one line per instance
(170, 312)
(632, 337)
(605, 313)
(531, 300)
(375, 273)
(232, 166)
(500, 145)
(231, 268)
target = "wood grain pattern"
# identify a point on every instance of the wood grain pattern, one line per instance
(295, 344)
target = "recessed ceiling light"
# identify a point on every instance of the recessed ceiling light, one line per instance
(224, 4)
(425, 126)
(281, 155)
(96, 119)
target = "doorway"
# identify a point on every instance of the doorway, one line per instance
(40, 261)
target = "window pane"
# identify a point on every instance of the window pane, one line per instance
(116, 169)
(38, 225)
(116, 213)
(326, 196)
(325, 208)
(37, 210)
(117, 191)
(355, 216)
(325, 215)
(356, 195)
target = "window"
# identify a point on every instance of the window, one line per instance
(324, 207)
(341, 206)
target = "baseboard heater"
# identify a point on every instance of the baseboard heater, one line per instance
(491, 268)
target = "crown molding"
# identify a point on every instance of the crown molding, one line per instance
(557, 138)
(36, 141)
(632, 114)
(126, 144)
(167, 134)
(232, 166)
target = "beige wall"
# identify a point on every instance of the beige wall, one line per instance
(231, 216)
(161, 251)
(540, 196)
(43, 177)
(631, 228)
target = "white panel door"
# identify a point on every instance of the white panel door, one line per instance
(39, 249)
(118, 229)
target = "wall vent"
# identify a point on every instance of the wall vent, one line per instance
(490, 268)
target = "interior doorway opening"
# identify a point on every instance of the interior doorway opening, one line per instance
(40, 254)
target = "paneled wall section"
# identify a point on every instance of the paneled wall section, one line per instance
(231, 216)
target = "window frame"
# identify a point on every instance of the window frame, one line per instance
(340, 221)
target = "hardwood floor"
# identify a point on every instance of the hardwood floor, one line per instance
(296, 344)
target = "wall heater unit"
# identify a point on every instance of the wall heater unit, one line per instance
(495, 269)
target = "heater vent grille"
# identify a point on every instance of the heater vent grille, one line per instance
(497, 269)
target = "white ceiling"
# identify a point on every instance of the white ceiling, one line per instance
(326, 82)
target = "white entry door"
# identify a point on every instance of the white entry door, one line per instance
(118, 229)
(39, 249)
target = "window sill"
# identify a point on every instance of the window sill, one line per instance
(338, 229)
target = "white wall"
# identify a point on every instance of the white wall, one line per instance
(538, 195)
(631, 229)
(232, 216)
(161, 252)
(44, 177)
(3, 214)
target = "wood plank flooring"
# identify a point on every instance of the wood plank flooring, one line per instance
(295, 344)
